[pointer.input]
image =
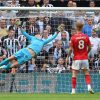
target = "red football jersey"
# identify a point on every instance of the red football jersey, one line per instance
(80, 43)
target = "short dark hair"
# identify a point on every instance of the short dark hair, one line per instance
(11, 28)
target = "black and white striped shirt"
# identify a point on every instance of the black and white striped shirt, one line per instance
(11, 45)
(22, 41)
(48, 5)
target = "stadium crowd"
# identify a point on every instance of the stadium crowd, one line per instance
(50, 3)
(54, 56)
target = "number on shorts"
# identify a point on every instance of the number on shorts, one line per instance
(81, 44)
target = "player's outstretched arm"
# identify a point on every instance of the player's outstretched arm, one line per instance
(53, 37)
(26, 34)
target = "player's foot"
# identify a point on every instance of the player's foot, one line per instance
(72, 92)
(3, 67)
(91, 91)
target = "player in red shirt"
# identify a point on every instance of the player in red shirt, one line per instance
(80, 46)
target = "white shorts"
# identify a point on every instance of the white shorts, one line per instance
(80, 64)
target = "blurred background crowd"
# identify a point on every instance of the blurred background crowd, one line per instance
(50, 3)
(54, 56)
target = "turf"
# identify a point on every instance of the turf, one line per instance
(13, 96)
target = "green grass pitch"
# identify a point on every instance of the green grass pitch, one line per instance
(14, 96)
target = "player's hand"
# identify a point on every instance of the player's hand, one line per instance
(22, 29)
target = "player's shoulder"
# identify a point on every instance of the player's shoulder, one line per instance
(84, 34)
(72, 37)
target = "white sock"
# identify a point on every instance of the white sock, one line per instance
(73, 90)
(89, 86)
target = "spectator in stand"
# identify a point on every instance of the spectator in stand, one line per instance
(41, 23)
(59, 68)
(57, 52)
(3, 30)
(31, 25)
(51, 52)
(3, 52)
(97, 62)
(41, 59)
(46, 36)
(95, 42)
(17, 27)
(32, 66)
(11, 23)
(46, 4)
(22, 41)
(87, 28)
(96, 17)
(48, 27)
(1, 3)
(10, 43)
(96, 25)
(62, 29)
(2, 57)
(60, 65)
(74, 4)
(65, 42)
(30, 3)
(13, 3)
(59, 3)
(70, 3)
(44, 68)
(92, 3)
(47, 20)
(38, 3)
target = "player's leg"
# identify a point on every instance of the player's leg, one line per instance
(21, 56)
(88, 80)
(85, 68)
(74, 75)
(75, 68)
(14, 64)
(11, 62)
(7, 60)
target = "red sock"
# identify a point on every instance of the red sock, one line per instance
(87, 79)
(74, 82)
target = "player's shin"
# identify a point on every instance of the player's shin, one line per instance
(6, 66)
(4, 62)
(73, 84)
(88, 81)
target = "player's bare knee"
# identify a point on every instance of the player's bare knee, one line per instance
(85, 71)
(74, 73)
